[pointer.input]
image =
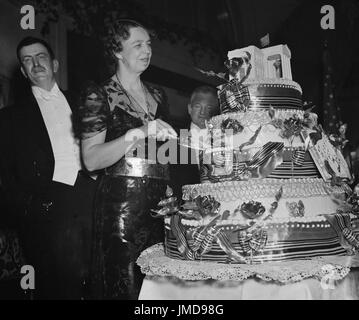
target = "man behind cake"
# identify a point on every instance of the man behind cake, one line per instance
(202, 106)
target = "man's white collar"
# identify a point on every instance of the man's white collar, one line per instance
(42, 93)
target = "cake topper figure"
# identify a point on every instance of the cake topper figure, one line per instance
(278, 68)
(277, 64)
(239, 67)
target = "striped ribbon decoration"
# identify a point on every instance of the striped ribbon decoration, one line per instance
(298, 157)
(203, 240)
(351, 237)
(234, 97)
(253, 242)
(263, 155)
(227, 247)
(258, 240)
(179, 233)
(244, 241)
(265, 103)
(242, 96)
(342, 225)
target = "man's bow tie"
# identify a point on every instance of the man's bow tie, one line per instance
(49, 95)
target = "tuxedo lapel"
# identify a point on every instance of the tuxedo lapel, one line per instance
(35, 125)
(70, 100)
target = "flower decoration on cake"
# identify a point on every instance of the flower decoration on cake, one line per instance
(351, 204)
(291, 127)
(310, 119)
(252, 209)
(169, 205)
(294, 125)
(189, 210)
(277, 123)
(231, 124)
(207, 206)
(169, 192)
(274, 204)
(353, 200)
(296, 209)
(339, 140)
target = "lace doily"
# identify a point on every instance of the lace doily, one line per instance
(154, 262)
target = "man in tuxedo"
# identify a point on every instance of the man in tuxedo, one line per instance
(202, 106)
(42, 178)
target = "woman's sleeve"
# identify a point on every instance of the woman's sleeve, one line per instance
(93, 112)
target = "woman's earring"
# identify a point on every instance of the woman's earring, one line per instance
(118, 56)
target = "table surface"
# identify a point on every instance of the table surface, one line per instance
(165, 288)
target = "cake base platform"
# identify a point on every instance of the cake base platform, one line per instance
(154, 262)
(327, 278)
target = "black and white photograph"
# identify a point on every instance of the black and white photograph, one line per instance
(179, 154)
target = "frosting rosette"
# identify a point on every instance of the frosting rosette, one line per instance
(291, 127)
(310, 120)
(296, 209)
(252, 209)
(207, 206)
(231, 124)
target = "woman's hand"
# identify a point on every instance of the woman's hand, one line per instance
(160, 130)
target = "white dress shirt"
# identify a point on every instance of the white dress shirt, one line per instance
(56, 113)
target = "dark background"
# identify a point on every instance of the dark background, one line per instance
(238, 23)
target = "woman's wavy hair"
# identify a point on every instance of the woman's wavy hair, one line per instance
(118, 32)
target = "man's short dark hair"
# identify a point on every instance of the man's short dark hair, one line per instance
(32, 40)
(203, 89)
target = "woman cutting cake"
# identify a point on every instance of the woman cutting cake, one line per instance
(118, 121)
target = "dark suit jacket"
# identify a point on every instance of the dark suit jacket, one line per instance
(54, 219)
(183, 174)
(27, 159)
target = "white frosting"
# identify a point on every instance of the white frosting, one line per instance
(275, 222)
(271, 82)
(314, 206)
(261, 188)
(299, 222)
(251, 121)
(268, 133)
(315, 195)
(255, 117)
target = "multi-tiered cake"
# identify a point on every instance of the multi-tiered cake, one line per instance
(273, 185)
